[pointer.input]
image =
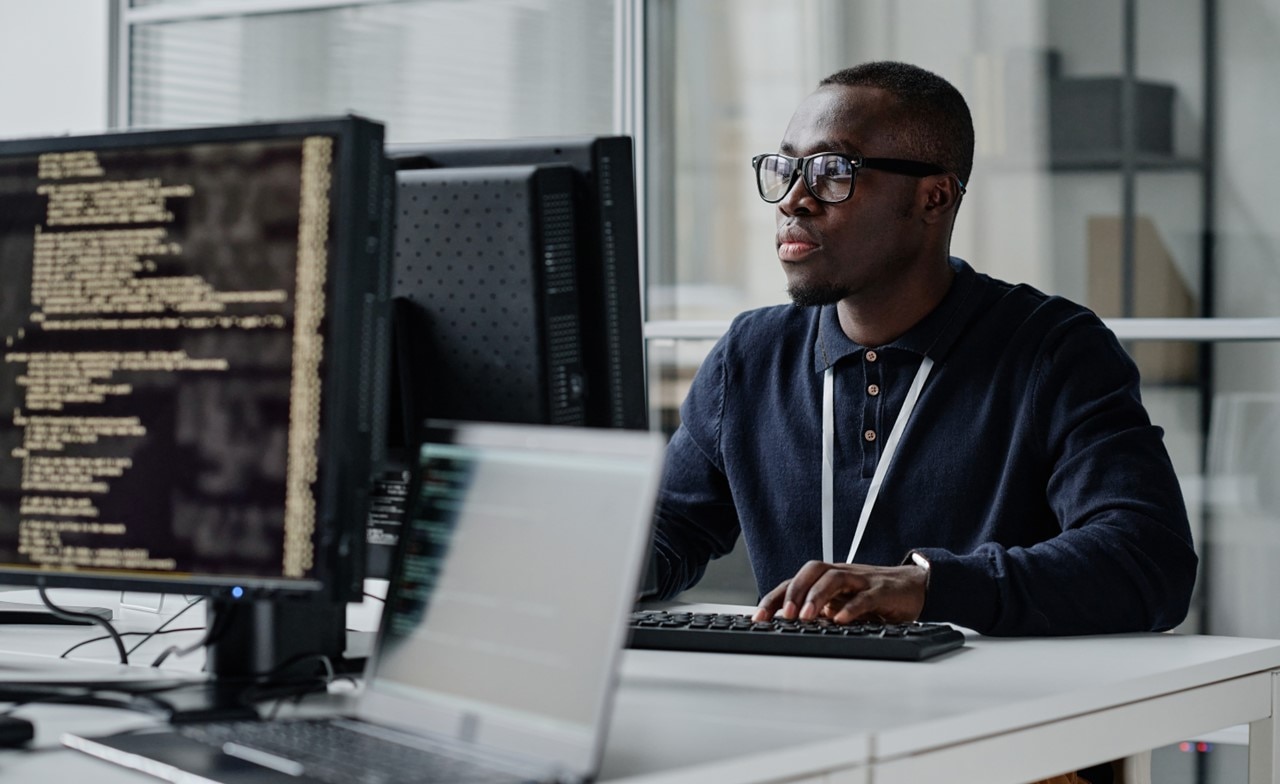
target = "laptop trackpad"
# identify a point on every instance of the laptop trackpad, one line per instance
(171, 756)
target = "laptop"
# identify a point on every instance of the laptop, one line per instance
(504, 625)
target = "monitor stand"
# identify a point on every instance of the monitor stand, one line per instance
(252, 642)
(17, 613)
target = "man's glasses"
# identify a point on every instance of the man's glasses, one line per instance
(829, 176)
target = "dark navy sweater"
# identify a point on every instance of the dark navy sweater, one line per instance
(1029, 475)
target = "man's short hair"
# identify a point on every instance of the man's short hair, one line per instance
(935, 122)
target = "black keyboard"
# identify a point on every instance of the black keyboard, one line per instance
(719, 633)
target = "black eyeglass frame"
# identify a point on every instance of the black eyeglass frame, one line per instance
(856, 162)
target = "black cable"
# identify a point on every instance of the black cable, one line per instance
(216, 629)
(68, 615)
(19, 690)
(148, 697)
(252, 689)
(159, 629)
(296, 695)
(73, 695)
(303, 692)
(83, 643)
(275, 709)
(298, 687)
(145, 697)
(323, 658)
(375, 597)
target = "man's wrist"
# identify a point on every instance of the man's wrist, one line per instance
(917, 558)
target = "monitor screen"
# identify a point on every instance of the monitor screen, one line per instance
(190, 387)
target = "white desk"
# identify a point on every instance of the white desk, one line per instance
(997, 710)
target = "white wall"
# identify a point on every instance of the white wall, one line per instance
(53, 80)
(53, 67)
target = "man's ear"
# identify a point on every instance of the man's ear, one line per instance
(941, 196)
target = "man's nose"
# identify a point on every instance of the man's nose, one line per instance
(798, 200)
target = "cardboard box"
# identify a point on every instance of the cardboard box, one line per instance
(1160, 291)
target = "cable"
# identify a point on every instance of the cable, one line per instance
(83, 643)
(329, 673)
(275, 709)
(302, 693)
(296, 687)
(145, 635)
(68, 615)
(216, 630)
(145, 697)
(368, 595)
(159, 629)
(20, 695)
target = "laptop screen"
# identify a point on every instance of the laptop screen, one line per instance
(520, 562)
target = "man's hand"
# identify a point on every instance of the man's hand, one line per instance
(846, 593)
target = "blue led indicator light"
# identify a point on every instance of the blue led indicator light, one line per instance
(237, 592)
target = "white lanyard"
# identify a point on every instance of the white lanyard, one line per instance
(882, 467)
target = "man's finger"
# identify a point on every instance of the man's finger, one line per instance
(798, 590)
(831, 588)
(857, 607)
(771, 602)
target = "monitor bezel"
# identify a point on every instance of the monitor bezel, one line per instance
(355, 294)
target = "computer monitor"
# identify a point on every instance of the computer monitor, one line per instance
(604, 234)
(192, 386)
(516, 286)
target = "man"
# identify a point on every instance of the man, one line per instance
(977, 451)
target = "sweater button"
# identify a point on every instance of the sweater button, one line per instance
(870, 435)
(872, 356)
(873, 390)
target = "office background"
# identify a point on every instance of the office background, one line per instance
(1171, 221)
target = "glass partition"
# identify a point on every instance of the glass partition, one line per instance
(429, 70)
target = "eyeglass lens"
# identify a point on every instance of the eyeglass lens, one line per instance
(829, 177)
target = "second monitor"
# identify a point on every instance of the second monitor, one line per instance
(591, 205)
(489, 321)
(516, 286)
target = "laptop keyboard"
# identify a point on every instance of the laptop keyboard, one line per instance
(721, 633)
(331, 752)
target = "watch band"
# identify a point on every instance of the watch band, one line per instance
(919, 560)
